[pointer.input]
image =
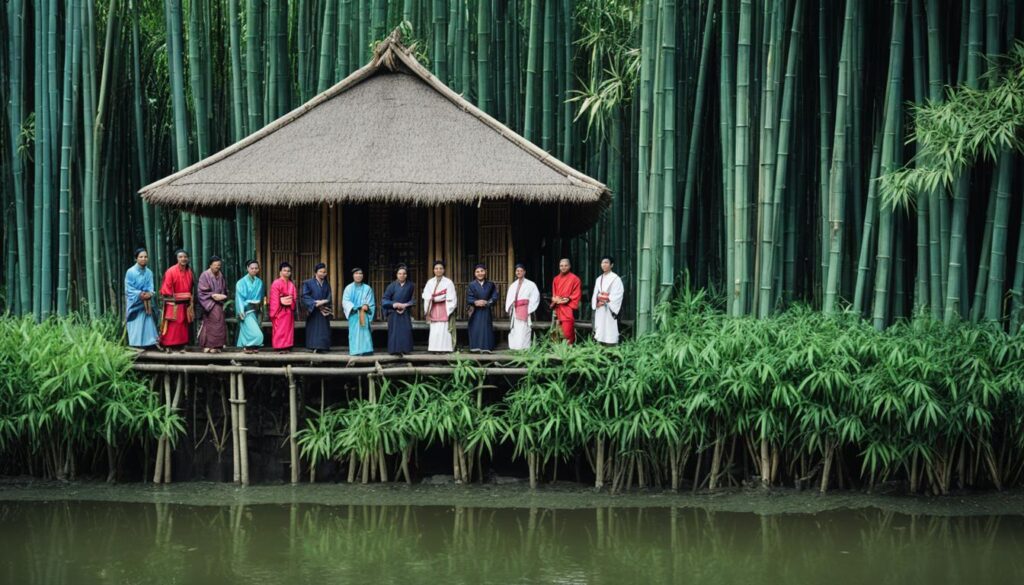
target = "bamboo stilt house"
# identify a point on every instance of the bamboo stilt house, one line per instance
(387, 166)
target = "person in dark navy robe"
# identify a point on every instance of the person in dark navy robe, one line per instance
(398, 300)
(480, 296)
(316, 299)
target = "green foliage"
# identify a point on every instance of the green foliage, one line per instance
(970, 123)
(795, 397)
(67, 389)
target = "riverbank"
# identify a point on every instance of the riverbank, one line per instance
(513, 495)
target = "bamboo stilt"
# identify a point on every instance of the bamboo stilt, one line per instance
(243, 431)
(293, 424)
(236, 474)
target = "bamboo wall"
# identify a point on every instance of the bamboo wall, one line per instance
(459, 235)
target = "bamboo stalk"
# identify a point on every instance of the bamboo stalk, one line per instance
(243, 431)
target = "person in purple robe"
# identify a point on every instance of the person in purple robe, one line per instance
(213, 291)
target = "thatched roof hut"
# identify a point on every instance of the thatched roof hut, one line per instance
(390, 132)
(388, 137)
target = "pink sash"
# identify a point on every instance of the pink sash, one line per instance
(439, 309)
(522, 307)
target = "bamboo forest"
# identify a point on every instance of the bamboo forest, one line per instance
(775, 153)
(808, 364)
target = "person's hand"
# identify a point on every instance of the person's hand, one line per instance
(241, 317)
(219, 297)
(146, 296)
(398, 306)
(286, 301)
(366, 307)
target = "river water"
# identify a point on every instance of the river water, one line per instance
(73, 542)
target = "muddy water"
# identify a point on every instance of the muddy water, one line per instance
(82, 542)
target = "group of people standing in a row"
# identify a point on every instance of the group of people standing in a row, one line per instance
(439, 297)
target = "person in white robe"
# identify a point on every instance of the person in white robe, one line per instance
(607, 302)
(521, 300)
(439, 302)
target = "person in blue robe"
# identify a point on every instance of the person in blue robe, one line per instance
(359, 306)
(316, 299)
(139, 292)
(482, 293)
(399, 299)
(248, 304)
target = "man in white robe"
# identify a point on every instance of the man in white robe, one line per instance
(607, 302)
(439, 302)
(521, 300)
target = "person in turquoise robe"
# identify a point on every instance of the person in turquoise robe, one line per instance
(139, 292)
(249, 294)
(359, 305)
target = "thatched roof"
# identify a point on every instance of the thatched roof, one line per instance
(389, 132)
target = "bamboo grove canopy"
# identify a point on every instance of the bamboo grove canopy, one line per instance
(390, 132)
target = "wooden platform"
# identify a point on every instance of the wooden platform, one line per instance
(335, 363)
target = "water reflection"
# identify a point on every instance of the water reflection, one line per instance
(79, 543)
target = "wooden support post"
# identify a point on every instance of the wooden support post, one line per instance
(243, 431)
(158, 466)
(293, 423)
(236, 473)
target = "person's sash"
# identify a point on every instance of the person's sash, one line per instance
(362, 313)
(605, 297)
(438, 310)
(520, 306)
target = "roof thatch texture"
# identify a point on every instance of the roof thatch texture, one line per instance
(390, 132)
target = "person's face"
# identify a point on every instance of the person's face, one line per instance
(438, 270)
(321, 274)
(520, 272)
(402, 275)
(605, 265)
(286, 273)
(480, 273)
(564, 266)
(142, 259)
(215, 266)
(357, 277)
(253, 269)
(182, 259)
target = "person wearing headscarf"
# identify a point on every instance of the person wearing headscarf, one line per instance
(481, 294)
(283, 302)
(138, 293)
(359, 306)
(179, 309)
(249, 305)
(607, 302)
(213, 291)
(521, 300)
(397, 303)
(439, 302)
(316, 300)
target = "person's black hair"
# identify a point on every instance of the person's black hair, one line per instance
(139, 251)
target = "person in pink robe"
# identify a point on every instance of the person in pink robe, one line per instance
(283, 303)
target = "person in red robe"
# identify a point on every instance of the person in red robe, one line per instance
(283, 304)
(566, 290)
(179, 310)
